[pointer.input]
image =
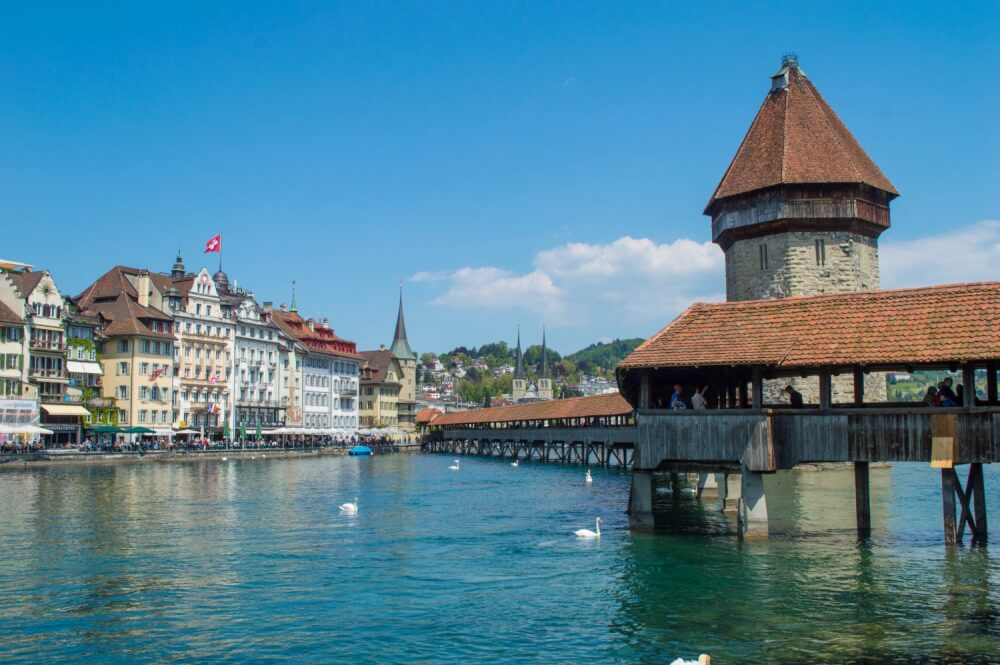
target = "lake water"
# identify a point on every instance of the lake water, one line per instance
(251, 560)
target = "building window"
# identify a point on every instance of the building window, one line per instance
(144, 346)
(821, 252)
(122, 392)
(142, 415)
(123, 369)
(123, 346)
(763, 257)
(143, 369)
(122, 417)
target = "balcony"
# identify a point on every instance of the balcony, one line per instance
(53, 374)
(100, 403)
(47, 345)
(348, 392)
(258, 404)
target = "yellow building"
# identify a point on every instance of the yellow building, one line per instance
(137, 356)
(381, 376)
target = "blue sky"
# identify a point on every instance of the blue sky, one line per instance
(512, 161)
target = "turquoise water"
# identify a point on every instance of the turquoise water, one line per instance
(252, 561)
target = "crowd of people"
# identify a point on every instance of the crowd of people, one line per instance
(944, 395)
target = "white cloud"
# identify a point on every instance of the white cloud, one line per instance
(630, 279)
(427, 276)
(966, 254)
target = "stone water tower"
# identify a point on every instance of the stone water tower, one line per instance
(801, 207)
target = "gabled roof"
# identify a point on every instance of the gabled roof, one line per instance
(26, 281)
(933, 325)
(426, 416)
(797, 138)
(611, 404)
(377, 364)
(114, 299)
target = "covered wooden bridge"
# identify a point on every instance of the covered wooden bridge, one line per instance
(597, 430)
(738, 349)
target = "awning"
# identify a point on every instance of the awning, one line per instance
(82, 367)
(64, 410)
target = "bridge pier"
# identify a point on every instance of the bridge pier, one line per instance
(731, 492)
(640, 501)
(708, 486)
(751, 514)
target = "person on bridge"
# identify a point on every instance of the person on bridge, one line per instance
(794, 396)
(677, 401)
(948, 396)
(698, 398)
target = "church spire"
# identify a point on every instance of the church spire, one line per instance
(294, 307)
(177, 272)
(400, 345)
(545, 355)
(519, 364)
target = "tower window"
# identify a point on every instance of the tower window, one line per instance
(821, 252)
(763, 257)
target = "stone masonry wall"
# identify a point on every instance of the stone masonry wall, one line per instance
(851, 265)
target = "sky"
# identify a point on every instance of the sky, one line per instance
(510, 163)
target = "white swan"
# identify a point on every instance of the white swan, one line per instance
(224, 459)
(689, 490)
(350, 508)
(587, 533)
(515, 464)
(590, 478)
(454, 467)
(703, 659)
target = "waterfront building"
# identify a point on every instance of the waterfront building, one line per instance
(14, 352)
(381, 384)
(136, 350)
(330, 370)
(82, 364)
(801, 207)
(203, 350)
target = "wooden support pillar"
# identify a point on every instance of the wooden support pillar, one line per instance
(640, 501)
(862, 499)
(991, 383)
(758, 388)
(968, 385)
(675, 483)
(645, 397)
(825, 389)
(949, 481)
(978, 488)
(731, 396)
(859, 386)
(744, 397)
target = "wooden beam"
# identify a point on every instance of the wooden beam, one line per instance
(744, 397)
(825, 389)
(991, 383)
(948, 482)
(978, 499)
(862, 499)
(859, 387)
(758, 388)
(731, 395)
(968, 385)
(645, 398)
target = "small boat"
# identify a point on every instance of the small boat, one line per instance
(359, 451)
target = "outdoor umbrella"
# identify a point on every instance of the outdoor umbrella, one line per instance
(259, 434)
(243, 430)
(226, 432)
(137, 430)
(104, 429)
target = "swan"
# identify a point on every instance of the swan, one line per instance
(590, 478)
(689, 490)
(454, 467)
(515, 464)
(587, 533)
(703, 659)
(224, 459)
(350, 508)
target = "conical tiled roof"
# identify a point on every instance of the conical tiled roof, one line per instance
(400, 345)
(797, 138)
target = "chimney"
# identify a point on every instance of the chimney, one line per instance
(381, 347)
(311, 322)
(142, 286)
(326, 322)
(268, 306)
(284, 307)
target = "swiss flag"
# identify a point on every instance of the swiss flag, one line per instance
(214, 244)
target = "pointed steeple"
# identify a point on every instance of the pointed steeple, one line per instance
(519, 364)
(293, 307)
(545, 355)
(400, 345)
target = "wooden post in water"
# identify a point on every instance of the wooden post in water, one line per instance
(948, 481)
(862, 499)
(978, 488)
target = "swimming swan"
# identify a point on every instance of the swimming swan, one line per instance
(703, 659)
(590, 478)
(515, 464)
(454, 467)
(350, 508)
(587, 533)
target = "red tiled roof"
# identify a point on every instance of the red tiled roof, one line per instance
(114, 298)
(797, 138)
(26, 281)
(612, 404)
(318, 339)
(425, 416)
(376, 367)
(938, 324)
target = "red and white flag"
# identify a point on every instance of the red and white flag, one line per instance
(157, 372)
(214, 378)
(214, 244)
(214, 408)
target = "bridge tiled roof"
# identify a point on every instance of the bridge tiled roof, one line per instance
(933, 325)
(612, 404)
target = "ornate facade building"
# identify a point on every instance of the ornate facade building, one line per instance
(389, 381)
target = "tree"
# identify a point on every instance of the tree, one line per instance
(427, 358)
